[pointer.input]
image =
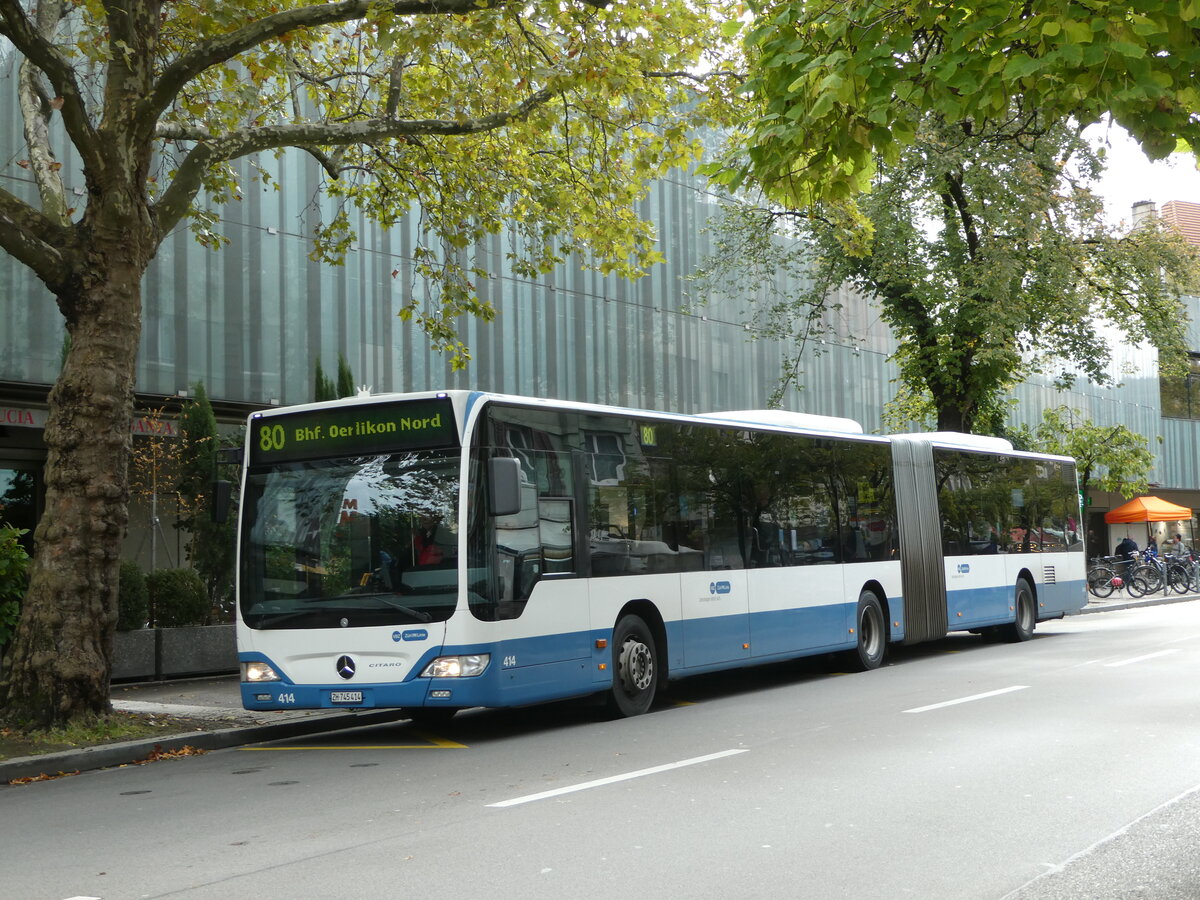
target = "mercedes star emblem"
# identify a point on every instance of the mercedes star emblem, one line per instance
(345, 667)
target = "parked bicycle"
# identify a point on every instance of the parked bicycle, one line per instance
(1161, 574)
(1107, 574)
(1191, 566)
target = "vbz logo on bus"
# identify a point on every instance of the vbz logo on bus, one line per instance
(964, 568)
(720, 587)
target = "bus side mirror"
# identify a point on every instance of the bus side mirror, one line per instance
(504, 486)
(222, 494)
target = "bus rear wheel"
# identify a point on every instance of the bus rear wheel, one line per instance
(635, 668)
(1026, 615)
(872, 633)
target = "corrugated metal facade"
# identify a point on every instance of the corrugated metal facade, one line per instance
(251, 319)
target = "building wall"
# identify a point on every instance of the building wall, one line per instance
(251, 319)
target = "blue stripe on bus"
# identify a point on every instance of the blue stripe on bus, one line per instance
(534, 669)
(818, 628)
(1064, 597)
(971, 607)
(992, 605)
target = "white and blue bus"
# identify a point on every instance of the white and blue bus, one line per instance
(438, 551)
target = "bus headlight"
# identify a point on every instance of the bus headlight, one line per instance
(259, 671)
(457, 666)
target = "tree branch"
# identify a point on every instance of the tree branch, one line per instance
(215, 51)
(33, 239)
(955, 198)
(699, 78)
(39, 51)
(212, 149)
(35, 112)
(42, 163)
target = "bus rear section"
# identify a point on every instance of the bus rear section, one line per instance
(991, 540)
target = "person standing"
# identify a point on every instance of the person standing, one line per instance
(1175, 546)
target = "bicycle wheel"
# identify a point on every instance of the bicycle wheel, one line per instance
(1149, 575)
(1136, 586)
(1100, 581)
(1179, 578)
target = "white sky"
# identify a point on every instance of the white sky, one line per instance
(1131, 177)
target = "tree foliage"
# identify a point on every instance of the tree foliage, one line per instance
(758, 259)
(133, 603)
(990, 261)
(842, 85)
(177, 598)
(1107, 457)
(323, 386)
(14, 563)
(541, 122)
(211, 544)
(345, 378)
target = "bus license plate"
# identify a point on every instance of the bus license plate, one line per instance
(345, 696)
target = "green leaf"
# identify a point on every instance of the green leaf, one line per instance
(1125, 48)
(1021, 65)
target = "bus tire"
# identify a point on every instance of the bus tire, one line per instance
(635, 668)
(871, 630)
(1025, 619)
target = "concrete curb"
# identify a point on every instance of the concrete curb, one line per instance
(106, 756)
(1102, 606)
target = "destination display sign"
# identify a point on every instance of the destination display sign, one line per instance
(360, 430)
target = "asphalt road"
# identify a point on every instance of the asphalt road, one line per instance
(1066, 767)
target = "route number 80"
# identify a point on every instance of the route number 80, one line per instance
(271, 438)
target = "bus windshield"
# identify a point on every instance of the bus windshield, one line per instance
(351, 542)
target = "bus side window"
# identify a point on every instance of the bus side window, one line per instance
(540, 539)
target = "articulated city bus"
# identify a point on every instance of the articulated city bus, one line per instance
(438, 551)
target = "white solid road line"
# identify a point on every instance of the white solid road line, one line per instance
(1136, 659)
(599, 782)
(1007, 690)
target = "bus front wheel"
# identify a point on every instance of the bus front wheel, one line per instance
(872, 633)
(635, 667)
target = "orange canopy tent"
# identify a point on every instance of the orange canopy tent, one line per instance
(1147, 509)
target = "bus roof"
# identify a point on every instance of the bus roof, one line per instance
(959, 439)
(788, 419)
(769, 419)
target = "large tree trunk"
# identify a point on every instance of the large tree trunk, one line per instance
(58, 665)
(951, 418)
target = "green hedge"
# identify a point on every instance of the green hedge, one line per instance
(133, 599)
(14, 567)
(177, 598)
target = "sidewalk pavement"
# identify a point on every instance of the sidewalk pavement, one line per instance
(217, 701)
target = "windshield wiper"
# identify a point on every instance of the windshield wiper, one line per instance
(415, 613)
